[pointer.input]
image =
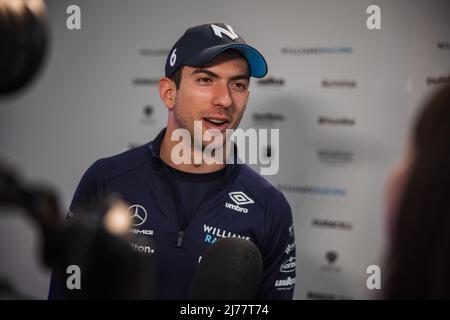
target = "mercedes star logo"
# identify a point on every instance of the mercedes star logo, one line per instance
(138, 214)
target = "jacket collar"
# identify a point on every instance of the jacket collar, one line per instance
(154, 147)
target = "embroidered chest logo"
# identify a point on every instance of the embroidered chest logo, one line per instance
(240, 199)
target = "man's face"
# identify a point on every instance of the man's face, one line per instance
(215, 94)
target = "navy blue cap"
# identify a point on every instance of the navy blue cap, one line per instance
(199, 44)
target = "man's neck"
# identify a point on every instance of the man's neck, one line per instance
(165, 154)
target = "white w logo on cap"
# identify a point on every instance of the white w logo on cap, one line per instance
(218, 31)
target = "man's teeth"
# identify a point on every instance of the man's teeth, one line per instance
(216, 121)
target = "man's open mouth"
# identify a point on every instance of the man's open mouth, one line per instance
(216, 123)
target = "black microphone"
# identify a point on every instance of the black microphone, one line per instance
(231, 269)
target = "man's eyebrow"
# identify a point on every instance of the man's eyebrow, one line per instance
(241, 77)
(209, 73)
(214, 75)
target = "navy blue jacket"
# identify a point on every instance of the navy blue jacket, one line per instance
(247, 206)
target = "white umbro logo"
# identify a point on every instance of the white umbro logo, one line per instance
(240, 198)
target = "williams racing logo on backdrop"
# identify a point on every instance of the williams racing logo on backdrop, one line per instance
(240, 199)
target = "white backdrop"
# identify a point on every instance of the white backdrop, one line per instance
(342, 96)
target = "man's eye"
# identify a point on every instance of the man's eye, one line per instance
(240, 86)
(204, 80)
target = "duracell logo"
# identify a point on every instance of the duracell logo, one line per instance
(154, 52)
(271, 82)
(297, 51)
(338, 84)
(443, 45)
(267, 117)
(147, 82)
(335, 156)
(344, 121)
(431, 81)
(332, 224)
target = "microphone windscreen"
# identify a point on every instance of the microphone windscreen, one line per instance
(231, 269)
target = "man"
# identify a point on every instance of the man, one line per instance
(185, 206)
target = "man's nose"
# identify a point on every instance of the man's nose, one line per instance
(222, 96)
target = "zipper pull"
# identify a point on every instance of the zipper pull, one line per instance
(180, 238)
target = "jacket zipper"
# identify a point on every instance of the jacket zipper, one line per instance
(175, 191)
(180, 238)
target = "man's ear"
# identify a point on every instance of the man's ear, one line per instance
(167, 92)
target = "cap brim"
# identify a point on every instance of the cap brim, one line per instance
(256, 62)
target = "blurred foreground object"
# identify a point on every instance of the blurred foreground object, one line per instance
(98, 241)
(24, 41)
(231, 269)
(418, 260)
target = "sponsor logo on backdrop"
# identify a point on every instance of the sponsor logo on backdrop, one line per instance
(432, 81)
(213, 233)
(338, 84)
(300, 51)
(331, 257)
(329, 191)
(335, 156)
(316, 295)
(145, 82)
(443, 45)
(154, 52)
(148, 112)
(271, 82)
(268, 117)
(332, 224)
(341, 121)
